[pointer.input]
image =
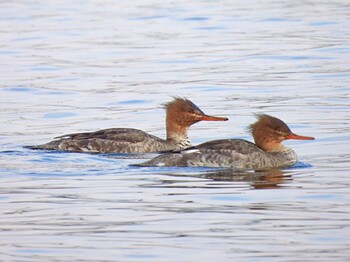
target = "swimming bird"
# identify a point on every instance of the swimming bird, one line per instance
(181, 113)
(267, 152)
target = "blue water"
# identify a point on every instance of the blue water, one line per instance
(72, 66)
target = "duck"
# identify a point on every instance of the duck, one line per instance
(266, 152)
(181, 113)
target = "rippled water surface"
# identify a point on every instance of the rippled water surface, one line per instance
(74, 66)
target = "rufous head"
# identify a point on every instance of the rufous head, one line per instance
(181, 111)
(268, 133)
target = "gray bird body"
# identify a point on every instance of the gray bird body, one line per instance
(267, 152)
(231, 153)
(113, 140)
(181, 113)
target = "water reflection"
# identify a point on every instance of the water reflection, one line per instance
(204, 178)
(259, 179)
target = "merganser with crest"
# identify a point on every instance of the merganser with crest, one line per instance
(181, 113)
(267, 152)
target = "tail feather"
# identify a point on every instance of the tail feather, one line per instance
(53, 145)
(38, 147)
(167, 159)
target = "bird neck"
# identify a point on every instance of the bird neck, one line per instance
(176, 131)
(270, 145)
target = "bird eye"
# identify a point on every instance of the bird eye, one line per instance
(280, 132)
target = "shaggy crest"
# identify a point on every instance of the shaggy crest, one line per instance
(270, 122)
(182, 105)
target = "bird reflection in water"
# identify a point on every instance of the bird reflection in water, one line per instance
(259, 179)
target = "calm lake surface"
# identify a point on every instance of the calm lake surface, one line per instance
(75, 66)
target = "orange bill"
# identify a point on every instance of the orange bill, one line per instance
(297, 137)
(212, 118)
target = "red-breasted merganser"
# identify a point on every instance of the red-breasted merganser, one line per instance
(267, 152)
(181, 113)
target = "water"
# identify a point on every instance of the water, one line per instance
(74, 66)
